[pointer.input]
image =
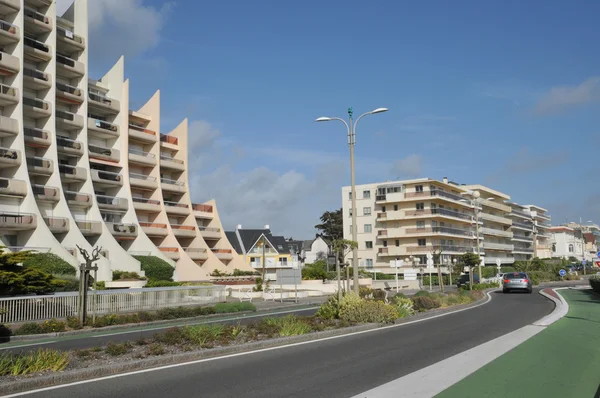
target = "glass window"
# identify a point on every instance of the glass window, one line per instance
(570, 248)
(366, 194)
(368, 228)
(369, 244)
(420, 206)
(419, 188)
(554, 247)
(397, 242)
(350, 213)
(383, 209)
(349, 195)
(420, 224)
(369, 262)
(422, 242)
(385, 243)
(283, 260)
(366, 211)
(395, 207)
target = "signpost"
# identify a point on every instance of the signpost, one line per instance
(398, 264)
(498, 265)
(562, 273)
(429, 265)
(289, 277)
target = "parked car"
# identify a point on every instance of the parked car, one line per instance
(516, 281)
(463, 280)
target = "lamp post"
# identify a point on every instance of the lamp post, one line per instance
(477, 202)
(351, 127)
(454, 260)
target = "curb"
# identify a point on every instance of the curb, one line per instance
(560, 308)
(29, 337)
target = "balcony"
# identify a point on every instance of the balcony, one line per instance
(445, 249)
(543, 225)
(103, 128)
(496, 219)
(382, 234)
(112, 202)
(154, 229)
(45, 193)
(142, 134)
(40, 166)
(202, 211)
(36, 108)
(523, 250)
(37, 138)
(106, 177)
(103, 153)
(10, 157)
(37, 51)
(9, 6)
(69, 42)
(523, 226)
(36, 22)
(503, 260)
(40, 3)
(210, 233)
(13, 187)
(521, 214)
(57, 225)
(70, 173)
(435, 213)
(439, 231)
(168, 162)
(170, 252)
(8, 126)
(223, 254)
(382, 216)
(183, 231)
(69, 94)
(144, 204)
(8, 95)
(90, 228)
(142, 181)
(140, 157)
(196, 253)
(9, 64)
(176, 208)
(522, 238)
(498, 246)
(172, 185)
(168, 141)
(383, 251)
(69, 120)
(36, 80)
(9, 33)
(496, 232)
(68, 146)
(68, 67)
(79, 199)
(104, 104)
(17, 221)
(122, 231)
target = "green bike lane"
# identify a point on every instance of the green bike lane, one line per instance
(561, 361)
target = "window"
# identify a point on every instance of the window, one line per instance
(385, 243)
(366, 211)
(350, 213)
(369, 262)
(255, 261)
(383, 209)
(422, 242)
(349, 195)
(368, 228)
(571, 248)
(397, 242)
(419, 188)
(350, 229)
(420, 224)
(366, 194)
(369, 244)
(554, 248)
(420, 206)
(395, 207)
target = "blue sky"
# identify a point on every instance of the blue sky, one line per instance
(504, 94)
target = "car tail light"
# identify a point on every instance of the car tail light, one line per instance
(506, 280)
(526, 280)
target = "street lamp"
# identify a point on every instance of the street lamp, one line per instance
(476, 202)
(351, 128)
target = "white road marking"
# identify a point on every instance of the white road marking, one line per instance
(28, 345)
(489, 298)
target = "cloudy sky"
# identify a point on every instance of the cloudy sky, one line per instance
(504, 93)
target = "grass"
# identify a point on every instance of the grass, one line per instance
(33, 362)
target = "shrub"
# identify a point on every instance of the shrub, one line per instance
(481, 286)
(115, 350)
(404, 306)
(368, 311)
(25, 281)
(65, 283)
(172, 336)
(29, 328)
(49, 263)
(4, 332)
(293, 326)
(239, 272)
(371, 294)
(161, 283)
(422, 293)
(595, 283)
(223, 308)
(155, 349)
(435, 280)
(126, 275)
(425, 303)
(73, 323)
(156, 268)
(315, 271)
(203, 335)
(329, 309)
(33, 362)
(53, 326)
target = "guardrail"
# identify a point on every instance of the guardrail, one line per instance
(61, 305)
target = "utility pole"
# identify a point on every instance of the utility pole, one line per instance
(351, 143)
(264, 268)
(339, 277)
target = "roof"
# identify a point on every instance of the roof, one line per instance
(561, 229)
(307, 244)
(481, 188)
(280, 244)
(250, 236)
(233, 240)
(589, 237)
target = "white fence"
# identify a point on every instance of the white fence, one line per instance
(61, 305)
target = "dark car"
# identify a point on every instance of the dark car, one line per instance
(516, 281)
(463, 280)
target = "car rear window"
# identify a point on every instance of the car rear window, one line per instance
(516, 275)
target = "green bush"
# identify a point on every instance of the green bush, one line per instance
(367, 311)
(480, 286)
(203, 335)
(161, 283)
(329, 309)
(115, 350)
(73, 323)
(65, 283)
(124, 275)
(425, 303)
(49, 326)
(156, 268)
(239, 272)
(595, 283)
(371, 294)
(33, 362)
(49, 263)
(29, 328)
(155, 349)
(435, 280)
(422, 293)
(315, 271)
(404, 306)
(20, 280)
(223, 308)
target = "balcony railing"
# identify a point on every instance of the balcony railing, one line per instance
(8, 27)
(439, 230)
(170, 159)
(110, 200)
(36, 103)
(78, 197)
(100, 98)
(496, 232)
(497, 246)
(142, 177)
(209, 229)
(65, 60)
(201, 207)
(444, 212)
(36, 44)
(522, 225)
(36, 74)
(521, 213)
(67, 169)
(44, 190)
(108, 175)
(68, 89)
(99, 150)
(175, 204)
(168, 249)
(382, 233)
(381, 216)
(494, 218)
(447, 195)
(523, 237)
(8, 90)
(172, 182)
(452, 248)
(183, 227)
(124, 228)
(142, 153)
(68, 143)
(65, 115)
(36, 161)
(35, 133)
(31, 13)
(141, 129)
(222, 251)
(69, 35)
(153, 225)
(168, 139)
(523, 249)
(194, 250)
(104, 125)
(137, 199)
(16, 218)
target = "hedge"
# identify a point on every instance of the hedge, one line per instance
(156, 268)
(595, 283)
(49, 263)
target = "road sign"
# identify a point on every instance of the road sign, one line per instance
(498, 262)
(583, 262)
(562, 272)
(598, 255)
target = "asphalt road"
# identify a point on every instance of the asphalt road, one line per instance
(339, 367)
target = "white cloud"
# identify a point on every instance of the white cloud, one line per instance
(408, 167)
(560, 98)
(121, 27)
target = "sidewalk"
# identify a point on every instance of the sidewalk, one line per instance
(560, 361)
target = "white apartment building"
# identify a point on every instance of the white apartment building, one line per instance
(406, 220)
(79, 167)
(567, 242)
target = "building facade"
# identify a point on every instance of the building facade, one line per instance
(79, 167)
(567, 242)
(407, 220)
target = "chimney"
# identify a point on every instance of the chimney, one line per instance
(445, 179)
(266, 226)
(239, 226)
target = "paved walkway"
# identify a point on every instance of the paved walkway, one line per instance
(560, 361)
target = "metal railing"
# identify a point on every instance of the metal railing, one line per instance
(175, 204)
(209, 229)
(444, 212)
(142, 129)
(171, 159)
(8, 27)
(68, 143)
(142, 153)
(108, 175)
(16, 218)
(496, 232)
(183, 227)
(222, 251)
(36, 103)
(168, 139)
(523, 237)
(100, 98)
(101, 124)
(142, 177)
(439, 230)
(202, 207)
(31, 13)
(137, 199)
(100, 150)
(153, 225)
(62, 59)
(29, 42)
(7, 153)
(44, 190)
(78, 197)
(67, 88)
(62, 305)
(172, 182)
(35, 74)
(65, 115)
(69, 35)
(522, 225)
(6, 89)
(35, 132)
(497, 246)
(194, 250)
(124, 228)
(39, 162)
(109, 200)
(520, 213)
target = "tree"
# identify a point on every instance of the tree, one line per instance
(16, 279)
(341, 248)
(470, 260)
(332, 225)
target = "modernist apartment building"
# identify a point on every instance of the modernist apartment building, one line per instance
(79, 167)
(406, 220)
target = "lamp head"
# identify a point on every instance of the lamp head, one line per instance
(379, 110)
(323, 119)
(476, 194)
